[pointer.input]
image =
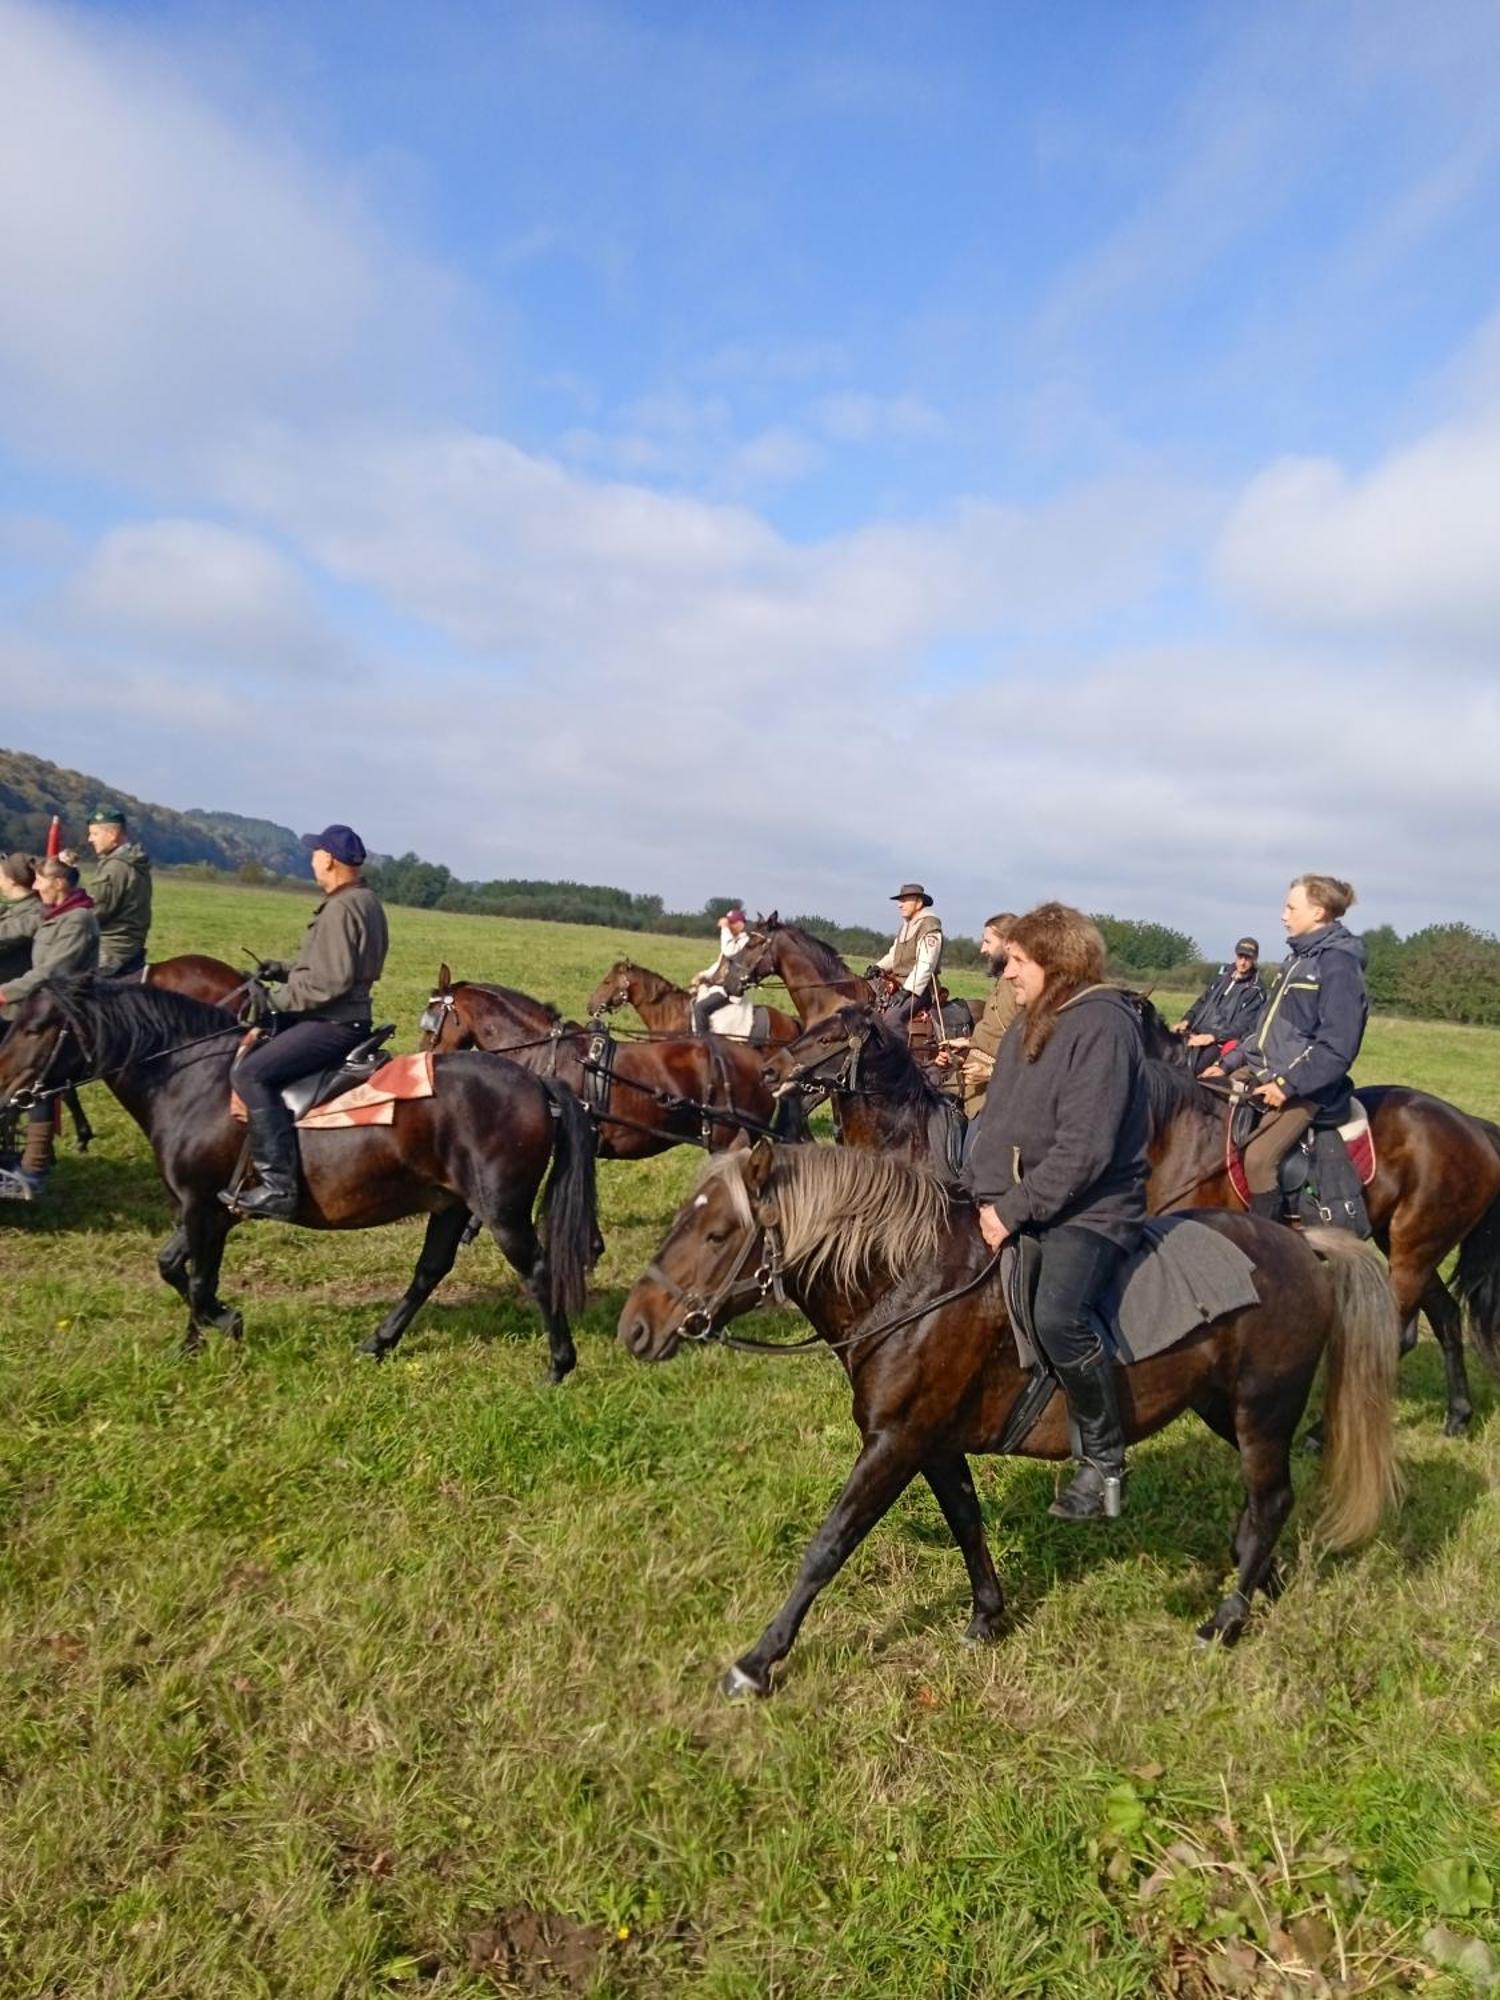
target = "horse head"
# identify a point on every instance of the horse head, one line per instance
(441, 1024)
(613, 990)
(714, 1261)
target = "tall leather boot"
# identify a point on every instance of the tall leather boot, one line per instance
(1097, 1490)
(36, 1157)
(273, 1156)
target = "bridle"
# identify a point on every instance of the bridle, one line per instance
(809, 1078)
(39, 1091)
(767, 1280)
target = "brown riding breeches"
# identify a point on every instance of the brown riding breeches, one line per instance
(1273, 1139)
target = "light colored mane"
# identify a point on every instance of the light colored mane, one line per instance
(845, 1215)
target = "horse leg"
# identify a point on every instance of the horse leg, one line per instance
(521, 1246)
(206, 1225)
(953, 1489)
(172, 1262)
(445, 1228)
(1265, 1455)
(884, 1469)
(1447, 1323)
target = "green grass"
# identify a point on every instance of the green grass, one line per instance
(315, 1669)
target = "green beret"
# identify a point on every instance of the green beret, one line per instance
(105, 815)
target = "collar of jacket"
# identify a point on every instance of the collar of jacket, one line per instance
(77, 899)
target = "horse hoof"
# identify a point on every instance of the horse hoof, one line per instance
(736, 1685)
(374, 1346)
(561, 1370)
(982, 1630)
(1456, 1426)
(232, 1326)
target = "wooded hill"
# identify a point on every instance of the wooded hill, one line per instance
(32, 790)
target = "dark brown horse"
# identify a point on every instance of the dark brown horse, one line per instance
(881, 1099)
(479, 1147)
(646, 1096)
(1436, 1189)
(666, 1009)
(863, 1243)
(807, 966)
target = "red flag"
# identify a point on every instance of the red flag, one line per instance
(54, 838)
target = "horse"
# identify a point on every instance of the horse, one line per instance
(807, 966)
(198, 977)
(895, 1280)
(694, 1088)
(1436, 1186)
(882, 1100)
(478, 1147)
(666, 1009)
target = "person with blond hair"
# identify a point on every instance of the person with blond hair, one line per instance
(1296, 1063)
(1060, 1155)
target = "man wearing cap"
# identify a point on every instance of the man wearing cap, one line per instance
(65, 942)
(314, 1012)
(1227, 1009)
(121, 889)
(916, 954)
(717, 984)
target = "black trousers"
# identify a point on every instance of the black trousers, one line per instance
(1077, 1265)
(900, 1009)
(294, 1050)
(706, 1005)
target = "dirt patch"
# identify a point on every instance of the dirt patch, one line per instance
(537, 1951)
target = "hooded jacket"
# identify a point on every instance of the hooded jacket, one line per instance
(1063, 1139)
(18, 926)
(1313, 1025)
(1229, 1008)
(65, 941)
(121, 889)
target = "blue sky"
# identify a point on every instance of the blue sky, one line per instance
(1044, 449)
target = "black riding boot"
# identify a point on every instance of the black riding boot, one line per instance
(273, 1156)
(1098, 1487)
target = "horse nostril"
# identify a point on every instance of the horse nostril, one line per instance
(638, 1335)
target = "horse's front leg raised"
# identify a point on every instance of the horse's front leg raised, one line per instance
(881, 1474)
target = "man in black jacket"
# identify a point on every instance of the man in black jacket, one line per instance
(1228, 1009)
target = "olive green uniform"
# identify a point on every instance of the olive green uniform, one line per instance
(18, 926)
(121, 889)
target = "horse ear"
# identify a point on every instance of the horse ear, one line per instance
(758, 1168)
(772, 919)
(445, 977)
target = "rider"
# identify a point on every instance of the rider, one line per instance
(1061, 1154)
(1228, 1009)
(66, 940)
(22, 913)
(916, 954)
(121, 888)
(1297, 1060)
(979, 1049)
(717, 984)
(315, 1012)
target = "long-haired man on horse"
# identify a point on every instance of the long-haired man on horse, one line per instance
(1297, 1060)
(65, 940)
(915, 957)
(1060, 1155)
(315, 1011)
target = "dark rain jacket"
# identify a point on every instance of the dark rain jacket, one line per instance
(121, 889)
(342, 956)
(1314, 1022)
(18, 926)
(1229, 1009)
(1063, 1139)
(66, 941)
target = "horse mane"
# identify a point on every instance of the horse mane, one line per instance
(514, 998)
(119, 1024)
(844, 1214)
(662, 986)
(1170, 1091)
(824, 955)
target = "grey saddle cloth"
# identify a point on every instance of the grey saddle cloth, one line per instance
(1183, 1275)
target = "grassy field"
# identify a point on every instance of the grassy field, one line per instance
(328, 1679)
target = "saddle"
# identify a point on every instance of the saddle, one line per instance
(1322, 1174)
(364, 1089)
(742, 1020)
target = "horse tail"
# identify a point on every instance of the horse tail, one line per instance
(789, 1120)
(570, 1203)
(1477, 1279)
(1361, 1477)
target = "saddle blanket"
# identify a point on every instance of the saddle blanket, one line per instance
(1183, 1275)
(1359, 1143)
(736, 1019)
(372, 1102)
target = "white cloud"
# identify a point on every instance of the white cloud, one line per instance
(198, 591)
(167, 273)
(852, 418)
(1409, 547)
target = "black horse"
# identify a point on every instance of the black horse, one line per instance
(477, 1149)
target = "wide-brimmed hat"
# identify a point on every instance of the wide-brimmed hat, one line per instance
(1247, 948)
(342, 842)
(912, 889)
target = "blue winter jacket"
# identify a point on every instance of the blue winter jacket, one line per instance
(1314, 1022)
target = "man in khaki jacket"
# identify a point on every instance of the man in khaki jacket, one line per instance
(978, 1051)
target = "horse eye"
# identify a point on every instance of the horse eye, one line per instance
(717, 1236)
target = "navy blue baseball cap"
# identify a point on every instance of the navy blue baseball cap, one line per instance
(342, 842)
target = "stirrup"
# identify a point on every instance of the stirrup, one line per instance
(1092, 1495)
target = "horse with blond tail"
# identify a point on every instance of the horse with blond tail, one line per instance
(898, 1282)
